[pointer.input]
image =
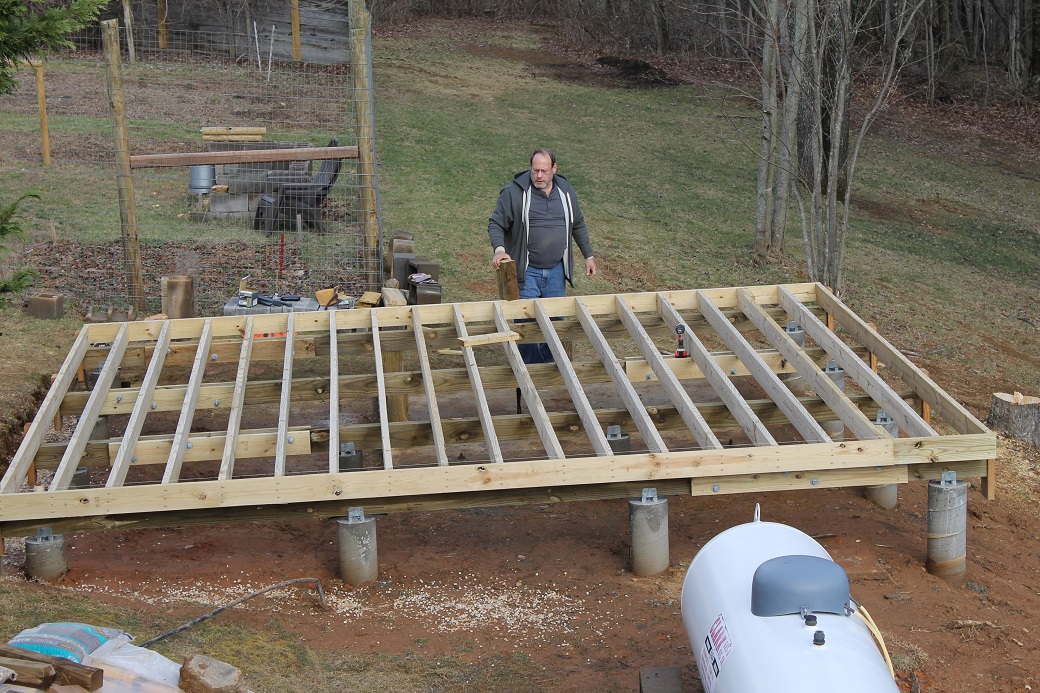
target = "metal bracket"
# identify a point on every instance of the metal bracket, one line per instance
(948, 479)
(355, 515)
(649, 495)
(613, 432)
(44, 533)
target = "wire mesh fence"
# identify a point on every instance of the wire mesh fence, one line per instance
(279, 212)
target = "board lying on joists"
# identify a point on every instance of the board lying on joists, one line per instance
(246, 417)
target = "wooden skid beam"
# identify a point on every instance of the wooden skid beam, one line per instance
(154, 449)
(788, 403)
(849, 414)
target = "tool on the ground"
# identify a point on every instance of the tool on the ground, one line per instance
(680, 351)
(271, 301)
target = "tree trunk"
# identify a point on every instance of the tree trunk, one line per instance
(788, 135)
(1016, 415)
(766, 168)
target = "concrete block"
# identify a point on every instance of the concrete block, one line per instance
(661, 680)
(201, 674)
(424, 293)
(47, 306)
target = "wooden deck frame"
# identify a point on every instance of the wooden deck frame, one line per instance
(688, 412)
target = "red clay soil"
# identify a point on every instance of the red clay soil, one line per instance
(551, 581)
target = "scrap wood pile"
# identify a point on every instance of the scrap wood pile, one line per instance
(33, 671)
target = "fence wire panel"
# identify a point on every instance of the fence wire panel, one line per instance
(294, 225)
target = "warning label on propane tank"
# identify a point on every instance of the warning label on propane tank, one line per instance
(716, 648)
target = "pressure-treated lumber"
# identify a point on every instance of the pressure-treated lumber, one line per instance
(505, 278)
(582, 407)
(67, 672)
(384, 417)
(486, 422)
(439, 445)
(503, 335)
(227, 460)
(681, 400)
(286, 397)
(806, 425)
(714, 374)
(847, 412)
(333, 394)
(940, 402)
(529, 391)
(864, 376)
(178, 445)
(78, 441)
(133, 427)
(246, 156)
(625, 390)
(29, 674)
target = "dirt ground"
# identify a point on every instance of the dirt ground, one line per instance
(551, 582)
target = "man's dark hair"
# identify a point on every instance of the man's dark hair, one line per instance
(547, 152)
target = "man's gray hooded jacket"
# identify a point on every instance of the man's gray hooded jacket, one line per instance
(509, 225)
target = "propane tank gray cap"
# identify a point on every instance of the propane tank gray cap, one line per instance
(790, 584)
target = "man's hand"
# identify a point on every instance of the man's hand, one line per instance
(590, 267)
(499, 257)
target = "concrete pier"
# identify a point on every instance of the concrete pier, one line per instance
(358, 551)
(648, 520)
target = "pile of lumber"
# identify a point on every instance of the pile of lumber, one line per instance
(37, 672)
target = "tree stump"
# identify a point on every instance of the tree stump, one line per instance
(1016, 415)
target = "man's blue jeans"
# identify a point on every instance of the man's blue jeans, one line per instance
(541, 283)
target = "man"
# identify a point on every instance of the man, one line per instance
(536, 218)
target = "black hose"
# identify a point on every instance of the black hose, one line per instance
(200, 619)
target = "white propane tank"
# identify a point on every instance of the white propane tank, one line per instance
(766, 609)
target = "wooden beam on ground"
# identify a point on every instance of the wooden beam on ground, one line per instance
(49, 409)
(625, 391)
(582, 407)
(848, 413)
(866, 377)
(227, 462)
(943, 405)
(384, 418)
(784, 398)
(687, 409)
(483, 413)
(85, 426)
(188, 403)
(246, 156)
(286, 398)
(121, 465)
(530, 393)
(439, 445)
(333, 394)
(713, 373)
(67, 672)
(490, 337)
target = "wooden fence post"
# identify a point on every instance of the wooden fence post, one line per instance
(294, 14)
(124, 175)
(128, 22)
(361, 74)
(41, 98)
